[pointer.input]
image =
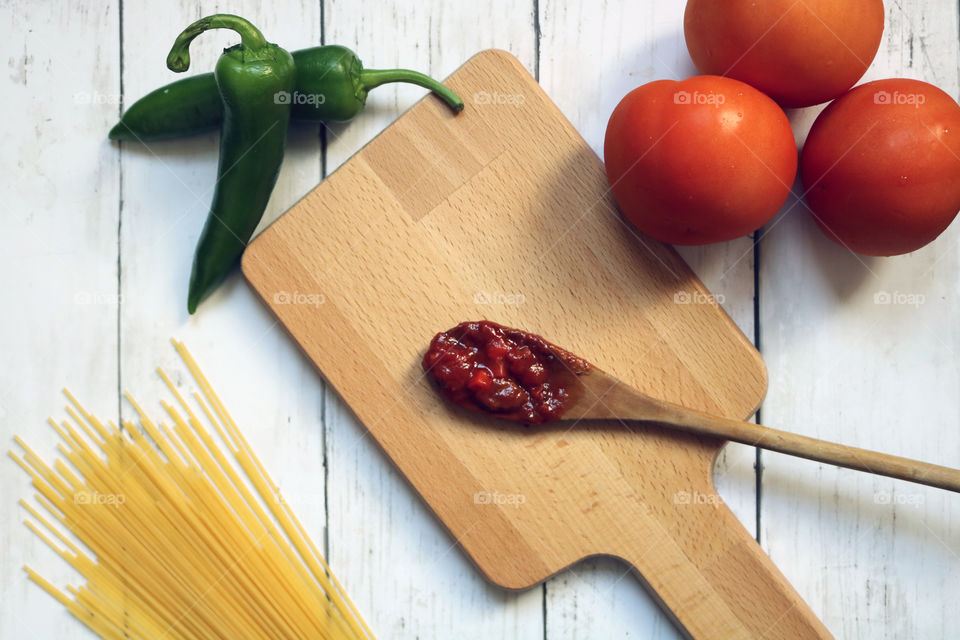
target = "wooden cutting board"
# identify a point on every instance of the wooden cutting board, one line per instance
(503, 213)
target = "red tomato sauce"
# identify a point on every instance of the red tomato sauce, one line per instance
(507, 373)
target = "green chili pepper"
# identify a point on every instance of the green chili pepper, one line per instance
(250, 78)
(331, 86)
(181, 108)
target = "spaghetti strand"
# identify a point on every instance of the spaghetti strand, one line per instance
(176, 535)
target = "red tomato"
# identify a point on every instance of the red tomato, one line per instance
(881, 166)
(701, 160)
(798, 53)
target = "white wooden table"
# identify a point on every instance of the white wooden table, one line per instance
(97, 244)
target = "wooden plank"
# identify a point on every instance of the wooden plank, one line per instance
(415, 580)
(876, 558)
(540, 224)
(271, 390)
(873, 569)
(631, 43)
(58, 264)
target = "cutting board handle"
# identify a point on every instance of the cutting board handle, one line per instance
(720, 585)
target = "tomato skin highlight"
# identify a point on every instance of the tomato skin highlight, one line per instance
(798, 53)
(701, 160)
(881, 166)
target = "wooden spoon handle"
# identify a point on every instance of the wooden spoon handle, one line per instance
(810, 448)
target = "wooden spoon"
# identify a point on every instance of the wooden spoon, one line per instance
(509, 373)
(598, 395)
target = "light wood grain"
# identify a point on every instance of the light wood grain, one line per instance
(516, 205)
(621, 45)
(273, 391)
(874, 557)
(424, 585)
(58, 262)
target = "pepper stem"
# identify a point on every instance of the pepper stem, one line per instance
(371, 78)
(250, 38)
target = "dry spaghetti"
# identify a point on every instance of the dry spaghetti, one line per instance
(178, 545)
